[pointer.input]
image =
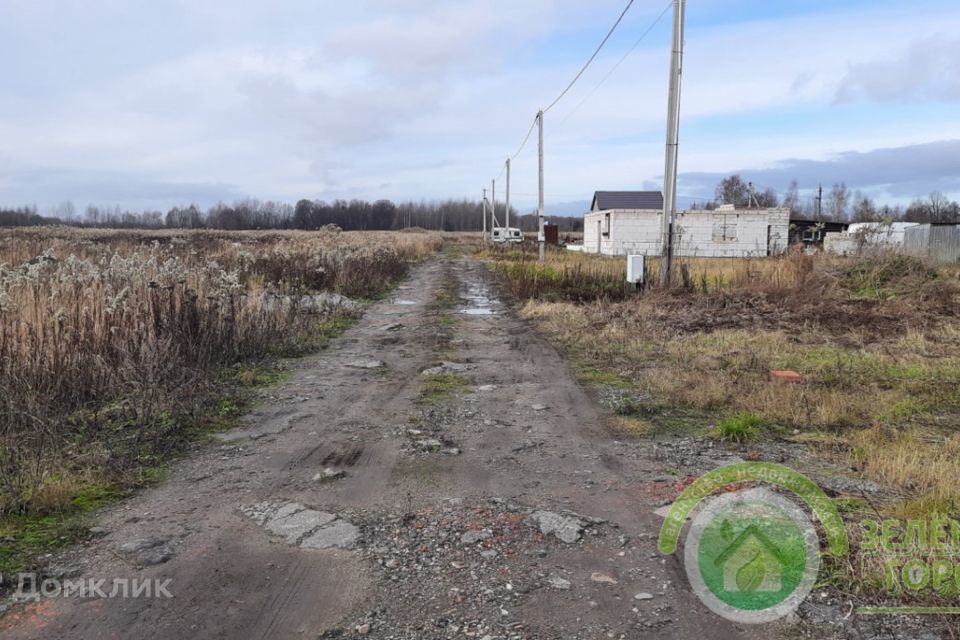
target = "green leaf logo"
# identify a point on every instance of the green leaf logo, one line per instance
(726, 531)
(750, 576)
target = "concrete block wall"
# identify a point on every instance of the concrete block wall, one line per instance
(842, 244)
(639, 232)
(636, 232)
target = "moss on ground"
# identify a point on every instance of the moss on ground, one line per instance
(442, 386)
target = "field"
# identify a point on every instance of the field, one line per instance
(875, 340)
(125, 357)
(119, 349)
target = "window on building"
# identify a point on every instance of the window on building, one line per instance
(724, 228)
(606, 224)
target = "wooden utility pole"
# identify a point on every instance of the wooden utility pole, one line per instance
(540, 215)
(673, 143)
(819, 203)
(493, 202)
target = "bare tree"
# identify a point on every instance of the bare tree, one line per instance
(65, 210)
(938, 206)
(733, 190)
(791, 199)
(92, 215)
(838, 201)
(768, 199)
(864, 208)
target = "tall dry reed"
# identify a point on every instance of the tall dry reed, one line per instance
(110, 342)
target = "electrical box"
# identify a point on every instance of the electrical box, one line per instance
(636, 266)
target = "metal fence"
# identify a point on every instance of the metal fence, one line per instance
(939, 242)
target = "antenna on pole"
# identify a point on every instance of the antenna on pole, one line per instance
(753, 197)
(673, 143)
(540, 236)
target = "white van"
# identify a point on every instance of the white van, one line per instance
(503, 234)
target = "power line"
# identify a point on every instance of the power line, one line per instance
(580, 73)
(523, 144)
(533, 125)
(617, 66)
(595, 53)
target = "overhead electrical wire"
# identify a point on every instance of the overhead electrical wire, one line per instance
(522, 145)
(582, 70)
(592, 58)
(614, 68)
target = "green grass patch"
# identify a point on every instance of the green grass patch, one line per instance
(441, 386)
(630, 407)
(25, 538)
(741, 427)
(601, 377)
(850, 504)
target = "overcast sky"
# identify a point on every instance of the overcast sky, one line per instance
(151, 104)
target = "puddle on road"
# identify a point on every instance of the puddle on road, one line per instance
(479, 300)
(404, 303)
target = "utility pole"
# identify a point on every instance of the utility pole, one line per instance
(507, 214)
(540, 236)
(493, 202)
(673, 143)
(819, 203)
(484, 216)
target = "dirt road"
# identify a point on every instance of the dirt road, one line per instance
(366, 498)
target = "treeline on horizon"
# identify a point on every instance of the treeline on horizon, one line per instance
(250, 214)
(836, 204)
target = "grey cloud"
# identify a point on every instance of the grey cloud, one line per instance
(929, 69)
(359, 116)
(899, 172)
(50, 185)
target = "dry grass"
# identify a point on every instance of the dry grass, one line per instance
(876, 340)
(629, 427)
(113, 344)
(922, 460)
(566, 275)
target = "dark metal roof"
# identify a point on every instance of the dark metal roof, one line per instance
(827, 224)
(604, 200)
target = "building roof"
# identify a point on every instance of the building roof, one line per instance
(605, 200)
(827, 224)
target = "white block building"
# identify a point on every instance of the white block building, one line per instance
(630, 222)
(861, 236)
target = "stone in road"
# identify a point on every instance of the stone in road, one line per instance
(500, 541)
